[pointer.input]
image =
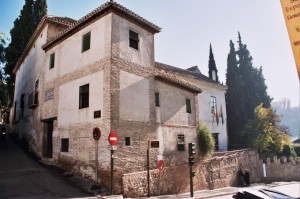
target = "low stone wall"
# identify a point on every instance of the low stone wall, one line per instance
(220, 170)
(282, 169)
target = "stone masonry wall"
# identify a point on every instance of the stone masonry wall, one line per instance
(219, 171)
(282, 169)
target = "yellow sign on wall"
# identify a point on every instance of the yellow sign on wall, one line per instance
(291, 12)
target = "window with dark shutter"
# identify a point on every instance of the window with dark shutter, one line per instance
(157, 100)
(86, 42)
(84, 96)
(65, 145)
(188, 106)
(180, 142)
(52, 61)
(133, 39)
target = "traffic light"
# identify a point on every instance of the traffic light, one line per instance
(192, 173)
(191, 153)
(192, 149)
(191, 161)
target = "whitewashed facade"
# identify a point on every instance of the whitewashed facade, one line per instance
(112, 85)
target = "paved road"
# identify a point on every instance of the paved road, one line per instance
(23, 177)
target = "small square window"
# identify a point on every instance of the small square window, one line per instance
(188, 106)
(65, 145)
(157, 99)
(180, 142)
(52, 61)
(86, 42)
(133, 39)
(127, 141)
(84, 96)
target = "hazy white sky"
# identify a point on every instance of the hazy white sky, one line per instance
(189, 26)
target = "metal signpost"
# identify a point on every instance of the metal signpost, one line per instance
(96, 136)
(160, 166)
(191, 163)
(113, 140)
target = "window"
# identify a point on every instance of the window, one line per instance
(52, 61)
(86, 42)
(15, 112)
(188, 106)
(213, 104)
(133, 39)
(216, 139)
(64, 145)
(22, 103)
(157, 99)
(127, 141)
(84, 96)
(180, 142)
(36, 85)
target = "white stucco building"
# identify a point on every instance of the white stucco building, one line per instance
(100, 71)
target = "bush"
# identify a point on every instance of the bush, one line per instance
(288, 150)
(297, 149)
(205, 140)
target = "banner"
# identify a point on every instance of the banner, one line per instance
(291, 12)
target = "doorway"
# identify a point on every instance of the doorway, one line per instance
(48, 145)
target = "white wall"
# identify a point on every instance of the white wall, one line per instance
(144, 56)
(68, 106)
(172, 110)
(206, 115)
(134, 97)
(28, 73)
(68, 55)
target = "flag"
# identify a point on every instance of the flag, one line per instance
(217, 116)
(221, 115)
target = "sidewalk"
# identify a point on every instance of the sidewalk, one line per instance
(221, 192)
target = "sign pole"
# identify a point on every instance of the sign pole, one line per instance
(96, 160)
(148, 170)
(112, 171)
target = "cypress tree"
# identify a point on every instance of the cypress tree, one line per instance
(40, 10)
(212, 65)
(233, 103)
(246, 90)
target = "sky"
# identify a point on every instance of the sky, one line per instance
(189, 26)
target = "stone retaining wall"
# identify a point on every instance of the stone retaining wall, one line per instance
(282, 169)
(219, 171)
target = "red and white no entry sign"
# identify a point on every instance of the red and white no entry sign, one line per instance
(160, 165)
(113, 138)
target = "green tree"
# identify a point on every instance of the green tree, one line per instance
(24, 27)
(233, 95)
(246, 90)
(3, 85)
(265, 133)
(212, 65)
(205, 140)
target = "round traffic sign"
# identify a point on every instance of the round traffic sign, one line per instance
(96, 133)
(113, 138)
(160, 165)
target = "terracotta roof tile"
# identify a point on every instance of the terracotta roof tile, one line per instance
(180, 71)
(97, 11)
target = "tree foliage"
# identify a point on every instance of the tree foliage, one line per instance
(265, 133)
(212, 65)
(246, 90)
(3, 85)
(206, 140)
(24, 26)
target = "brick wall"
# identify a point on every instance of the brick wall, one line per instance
(219, 171)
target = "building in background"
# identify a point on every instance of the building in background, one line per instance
(100, 71)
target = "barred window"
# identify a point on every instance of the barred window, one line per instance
(133, 39)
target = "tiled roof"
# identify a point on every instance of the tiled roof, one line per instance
(179, 71)
(111, 5)
(175, 79)
(55, 19)
(64, 20)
